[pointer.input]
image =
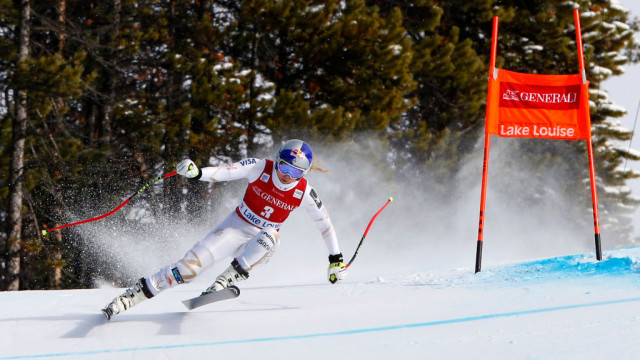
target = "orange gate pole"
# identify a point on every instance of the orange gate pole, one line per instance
(592, 172)
(487, 146)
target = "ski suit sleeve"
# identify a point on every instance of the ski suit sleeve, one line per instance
(316, 210)
(244, 169)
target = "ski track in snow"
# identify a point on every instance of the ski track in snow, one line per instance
(569, 307)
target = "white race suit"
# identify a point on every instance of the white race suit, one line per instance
(250, 232)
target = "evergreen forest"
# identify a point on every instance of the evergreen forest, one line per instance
(98, 98)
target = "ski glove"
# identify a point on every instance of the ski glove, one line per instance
(337, 268)
(188, 169)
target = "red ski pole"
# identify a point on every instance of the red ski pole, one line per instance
(45, 232)
(390, 199)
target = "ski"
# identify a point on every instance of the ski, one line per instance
(224, 294)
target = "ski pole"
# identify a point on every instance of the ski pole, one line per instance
(45, 232)
(390, 199)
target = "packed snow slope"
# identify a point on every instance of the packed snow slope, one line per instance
(569, 307)
(411, 293)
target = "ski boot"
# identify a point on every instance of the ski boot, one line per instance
(234, 274)
(132, 297)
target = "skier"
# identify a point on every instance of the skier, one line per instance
(250, 233)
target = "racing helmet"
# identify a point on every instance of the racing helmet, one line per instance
(294, 158)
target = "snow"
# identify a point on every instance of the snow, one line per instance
(599, 70)
(531, 48)
(224, 66)
(634, 152)
(395, 49)
(603, 95)
(614, 190)
(613, 108)
(411, 293)
(588, 14)
(622, 25)
(622, 35)
(567, 307)
(615, 5)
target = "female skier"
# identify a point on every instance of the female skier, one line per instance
(250, 233)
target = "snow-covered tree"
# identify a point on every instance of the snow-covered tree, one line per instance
(540, 38)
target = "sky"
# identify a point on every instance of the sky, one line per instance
(624, 91)
(569, 307)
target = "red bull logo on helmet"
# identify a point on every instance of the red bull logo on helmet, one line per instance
(299, 154)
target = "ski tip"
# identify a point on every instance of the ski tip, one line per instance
(188, 304)
(390, 198)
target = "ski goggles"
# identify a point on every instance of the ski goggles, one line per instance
(290, 170)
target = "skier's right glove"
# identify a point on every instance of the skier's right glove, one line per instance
(337, 268)
(188, 168)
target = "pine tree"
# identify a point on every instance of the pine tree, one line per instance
(37, 82)
(442, 127)
(539, 37)
(335, 66)
(608, 36)
(16, 171)
(119, 91)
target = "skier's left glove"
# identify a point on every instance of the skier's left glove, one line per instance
(188, 168)
(337, 268)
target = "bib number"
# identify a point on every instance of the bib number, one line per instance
(266, 213)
